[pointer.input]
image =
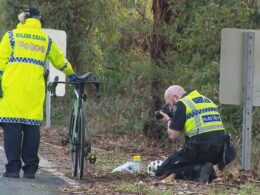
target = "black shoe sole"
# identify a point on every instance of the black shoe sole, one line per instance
(29, 176)
(11, 175)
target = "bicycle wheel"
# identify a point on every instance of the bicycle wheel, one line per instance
(81, 144)
(73, 144)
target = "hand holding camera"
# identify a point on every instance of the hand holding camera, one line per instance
(164, 112)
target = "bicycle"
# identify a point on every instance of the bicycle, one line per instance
(78, 136)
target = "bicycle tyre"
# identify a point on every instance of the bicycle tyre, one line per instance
(81, 144)
(73, 145)
(87, 137)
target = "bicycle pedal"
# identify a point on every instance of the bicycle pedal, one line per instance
(92, 158)
(64, 141)
(87, 149)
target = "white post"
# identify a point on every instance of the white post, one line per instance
(248, 99)
(48, 100)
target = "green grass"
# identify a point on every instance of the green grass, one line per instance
(106, 162)
(142, 189)
(247, 189)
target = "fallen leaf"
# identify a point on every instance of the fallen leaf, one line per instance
(168, 180)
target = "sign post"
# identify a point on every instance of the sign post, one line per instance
(60, 38)
(48, 100)
(249, 40)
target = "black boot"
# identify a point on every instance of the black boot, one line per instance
(11, 175)
(207, 173)
(29, 175)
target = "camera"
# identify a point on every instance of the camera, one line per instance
(165, 109)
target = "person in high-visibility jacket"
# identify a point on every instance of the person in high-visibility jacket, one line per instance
(23, 52)
(197, 117)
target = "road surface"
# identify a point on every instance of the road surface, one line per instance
(47, 182)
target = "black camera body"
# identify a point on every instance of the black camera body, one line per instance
(165, 109)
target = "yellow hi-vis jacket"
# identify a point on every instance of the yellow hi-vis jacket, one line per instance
(201, 115)
(23, 52)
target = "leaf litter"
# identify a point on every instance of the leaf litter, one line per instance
(113, 150)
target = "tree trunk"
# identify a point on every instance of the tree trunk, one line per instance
(158, 47)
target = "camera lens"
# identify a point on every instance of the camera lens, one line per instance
(158, 115)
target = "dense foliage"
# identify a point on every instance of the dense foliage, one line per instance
(114, 38)
(191, 45)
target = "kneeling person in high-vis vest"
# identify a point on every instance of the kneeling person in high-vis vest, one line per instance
(197, 117)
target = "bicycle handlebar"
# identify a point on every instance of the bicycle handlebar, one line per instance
(82, 79)
(86, 76)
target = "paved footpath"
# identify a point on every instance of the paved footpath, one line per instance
(47, 181)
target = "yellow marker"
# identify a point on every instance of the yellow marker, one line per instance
(137, 158)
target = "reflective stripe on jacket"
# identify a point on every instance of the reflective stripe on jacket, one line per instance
(201, 115)
(23, 52)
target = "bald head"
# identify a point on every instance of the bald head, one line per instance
(173, 91)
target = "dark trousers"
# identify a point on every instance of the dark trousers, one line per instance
(21, 141)
(184, 163)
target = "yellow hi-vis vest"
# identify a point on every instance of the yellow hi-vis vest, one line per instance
(23, 52)
(201, 115)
